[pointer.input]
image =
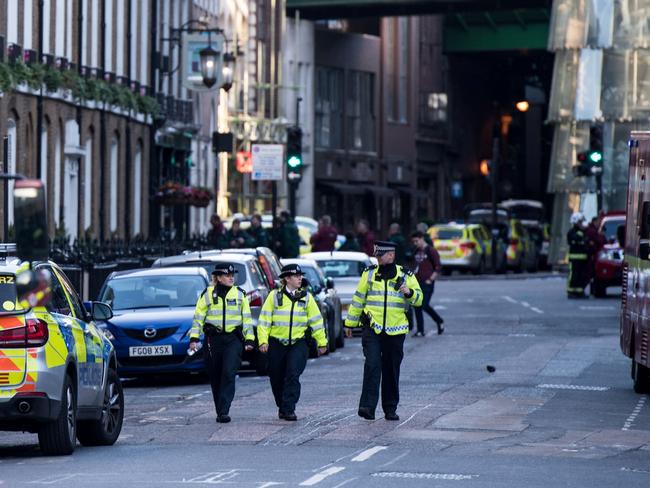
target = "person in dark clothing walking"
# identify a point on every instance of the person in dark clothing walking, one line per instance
(215, 234)
(350, 244)
(379, 305)
(365, 237)
(286, 316)
(325, 237)
(427, 267)
(578, 250)
(223, 314)
(235, 238)
(259, 236)
(288, 238)
(401, 247)
(595, 242)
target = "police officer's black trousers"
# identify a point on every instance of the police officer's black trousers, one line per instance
(384, 355)
(223, 358)
(286, 364)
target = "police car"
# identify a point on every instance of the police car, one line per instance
(57, 370)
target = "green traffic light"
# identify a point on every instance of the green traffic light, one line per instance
(596, 157)
(294, 162)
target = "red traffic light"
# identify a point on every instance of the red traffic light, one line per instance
(582, 157)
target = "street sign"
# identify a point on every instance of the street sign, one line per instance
(456, 189)
(268, 161)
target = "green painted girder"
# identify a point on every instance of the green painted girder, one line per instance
(496, 30)
(340, 9)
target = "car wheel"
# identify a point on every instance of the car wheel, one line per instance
(598, 289)
(641, 378)
(331, 335)
(58, 437)
(105, 430)
(340, 339)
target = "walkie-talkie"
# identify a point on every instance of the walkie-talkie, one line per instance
(399, 283)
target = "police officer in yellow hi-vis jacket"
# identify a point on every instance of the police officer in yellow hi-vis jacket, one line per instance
(379, 305)
(283, 322)
(224, 315)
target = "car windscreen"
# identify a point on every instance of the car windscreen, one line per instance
(208, 266)
(527, 212)
(610, 227)
(445, 234)
(153, 291)
(314, 277)
(339, 268)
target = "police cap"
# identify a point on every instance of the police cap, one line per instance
(382, 247)
(291, 270)
(223, 269)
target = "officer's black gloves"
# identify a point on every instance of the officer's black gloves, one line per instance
(249, 343)
(193, 339)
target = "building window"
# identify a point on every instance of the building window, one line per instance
(137, 191)
(361, 111)
(58, 148)
(88, 184)
(396, 69)
(11, 167)
(402, 70)
(434, 108)
(120, 55)
(329, 108)
(28, 20)
(113, 189)
(12, 21)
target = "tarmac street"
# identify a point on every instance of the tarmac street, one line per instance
(524, 389)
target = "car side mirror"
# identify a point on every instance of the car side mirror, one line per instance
(30, 220)
(101, 311)
(329, 283)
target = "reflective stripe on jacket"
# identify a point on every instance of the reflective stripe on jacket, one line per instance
(385, 306)
(228, 314)
(287, 320)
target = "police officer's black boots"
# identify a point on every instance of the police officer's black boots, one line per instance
(223, 418)
(391, 416)
(366, 413)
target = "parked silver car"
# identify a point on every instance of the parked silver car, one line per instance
(345, 268)
(327, 298)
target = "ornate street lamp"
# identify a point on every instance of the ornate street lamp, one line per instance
(209, 63)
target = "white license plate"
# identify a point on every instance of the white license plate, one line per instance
(150, 351)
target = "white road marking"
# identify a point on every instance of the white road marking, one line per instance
(317, 478)
(345, 482)
(510, 299)
(393, 461)
(573, 387)
(521, 335)
(51, 480)
(597, 307)
(635, 413)
(535, 309)
(427, 476)
(523, 304)
(216, 477)
(635, 470)
(269, 483)
(367, 454)
(415, 413)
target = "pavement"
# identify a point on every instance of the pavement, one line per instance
(558, 410)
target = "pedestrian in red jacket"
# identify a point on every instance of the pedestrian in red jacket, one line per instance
(366, 238)
(325, 238)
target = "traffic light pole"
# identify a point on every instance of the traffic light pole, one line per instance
(599, 192)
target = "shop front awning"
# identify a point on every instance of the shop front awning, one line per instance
(342, 188)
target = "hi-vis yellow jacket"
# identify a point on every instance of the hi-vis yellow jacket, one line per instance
(385, 306)
(226, 314)
(287, 319)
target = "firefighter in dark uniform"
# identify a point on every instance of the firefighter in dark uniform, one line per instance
(379, 305)
(285, 317)
(223, 314)
(578, 254)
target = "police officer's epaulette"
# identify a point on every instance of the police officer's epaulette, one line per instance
(203, 292)
(408, 272)
(372, 266)
(241, 289)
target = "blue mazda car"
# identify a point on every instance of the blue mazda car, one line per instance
(153, 310)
